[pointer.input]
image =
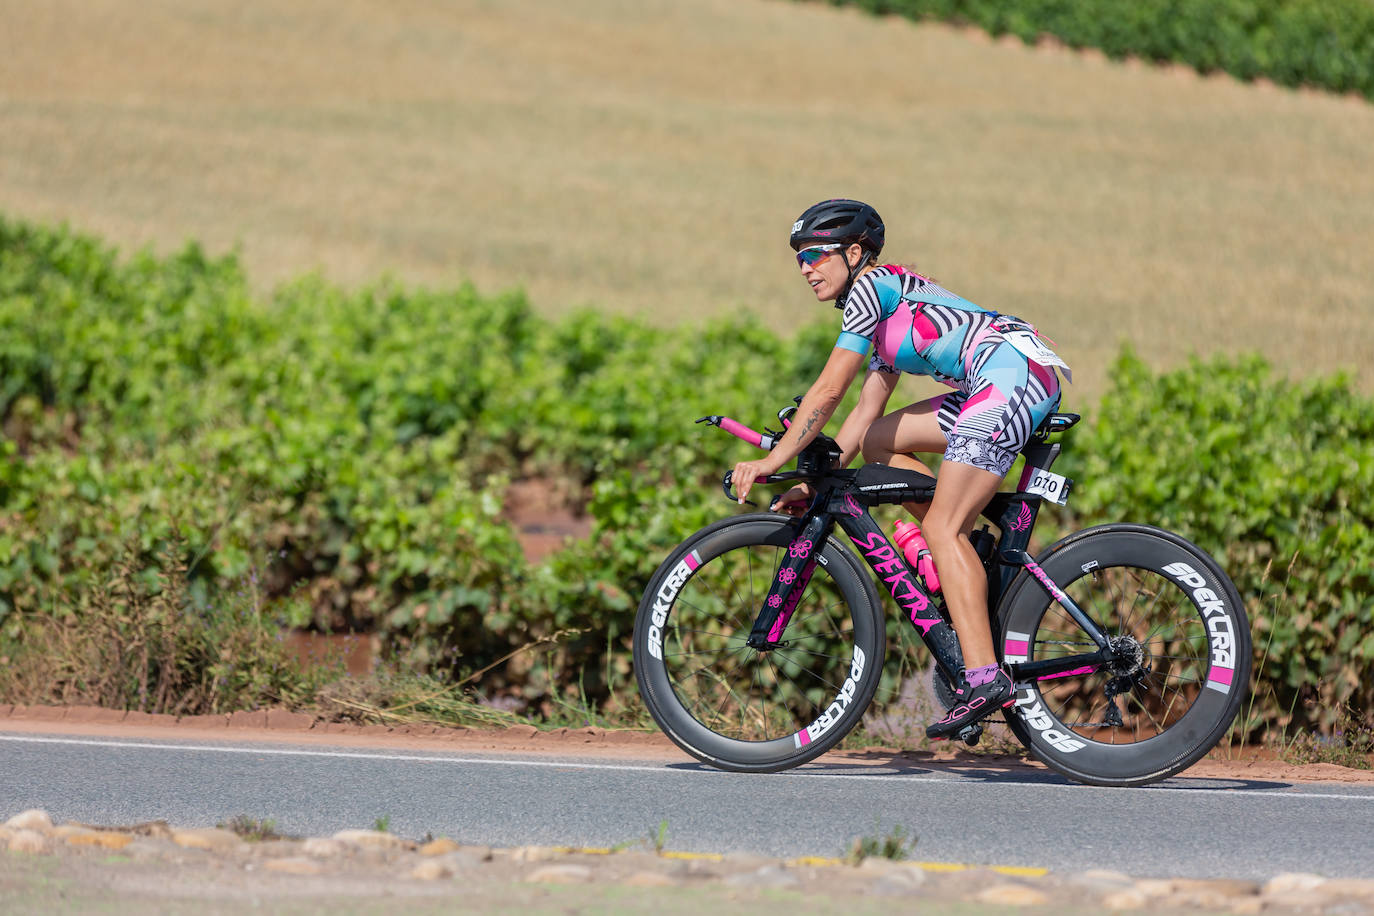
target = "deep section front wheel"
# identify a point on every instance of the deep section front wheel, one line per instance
(1182, 643)
(745, 709)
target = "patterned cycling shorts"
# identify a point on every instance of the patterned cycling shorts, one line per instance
(991, 417)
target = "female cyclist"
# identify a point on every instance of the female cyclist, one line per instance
(1004, 386)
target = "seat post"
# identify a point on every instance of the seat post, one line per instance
(1039, 456)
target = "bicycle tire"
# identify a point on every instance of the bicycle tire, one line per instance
(737, 708)
(1178, 606)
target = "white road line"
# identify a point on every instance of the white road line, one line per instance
(642, 768)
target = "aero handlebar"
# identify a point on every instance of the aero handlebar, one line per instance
(764, 440)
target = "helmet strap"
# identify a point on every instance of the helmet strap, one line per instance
(853, 274)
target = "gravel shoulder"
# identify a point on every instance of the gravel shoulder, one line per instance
(156, 867)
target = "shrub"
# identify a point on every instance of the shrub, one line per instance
(362, 441)
(1323, 43)
(168, 437)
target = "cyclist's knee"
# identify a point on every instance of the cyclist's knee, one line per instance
(877, 444)
(941, 532)
(873, 451)
(946, 531)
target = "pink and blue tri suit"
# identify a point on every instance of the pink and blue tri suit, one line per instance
(1001, 395)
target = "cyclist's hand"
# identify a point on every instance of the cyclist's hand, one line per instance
(746, 472)
(794, 501)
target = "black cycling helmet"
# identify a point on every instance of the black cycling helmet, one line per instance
(839, 220)
(845, 221)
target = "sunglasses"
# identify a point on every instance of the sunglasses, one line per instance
(816, 254)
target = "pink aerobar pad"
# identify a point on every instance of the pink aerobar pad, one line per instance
(736, 428)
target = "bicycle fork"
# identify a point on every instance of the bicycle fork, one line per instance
(789, 583)
(794, 573)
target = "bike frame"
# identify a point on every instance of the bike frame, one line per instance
(840, 501)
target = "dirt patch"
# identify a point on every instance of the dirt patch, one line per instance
(542, 518)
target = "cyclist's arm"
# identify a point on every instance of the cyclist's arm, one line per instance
(873, 398)
(818, 405)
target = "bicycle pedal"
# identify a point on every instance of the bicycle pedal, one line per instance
(970, 734)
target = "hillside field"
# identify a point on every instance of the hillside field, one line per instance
(648, 157)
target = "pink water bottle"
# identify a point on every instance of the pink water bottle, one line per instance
(913, 545)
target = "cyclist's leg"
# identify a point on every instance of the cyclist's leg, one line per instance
(1007, 400)
(961, 491)
(918, 427)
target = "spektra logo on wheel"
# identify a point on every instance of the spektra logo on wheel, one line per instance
(1034, 715)
(1219, 633)
(664, 601)
(837, 706)
(1015, 649)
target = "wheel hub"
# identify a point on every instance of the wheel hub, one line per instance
(1129, 656)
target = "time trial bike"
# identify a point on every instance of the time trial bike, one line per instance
(759, 642)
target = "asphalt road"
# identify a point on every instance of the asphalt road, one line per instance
(1179, 828)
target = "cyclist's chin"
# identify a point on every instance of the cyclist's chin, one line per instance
(823, 292)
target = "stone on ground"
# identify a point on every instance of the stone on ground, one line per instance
(32, 819)
(560, 874)
(373, 839)
(213, 839)
(1011, 895)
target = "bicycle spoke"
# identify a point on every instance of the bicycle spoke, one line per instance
(1146, 710)
(714, 634)
(816, 677)
(1127, 624)
(691, 675)
(738, 624)
(731, 694)
(701, 699)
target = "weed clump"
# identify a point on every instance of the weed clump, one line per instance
(1350, 744)
(252, 829)
(896, 846)
(136, 638)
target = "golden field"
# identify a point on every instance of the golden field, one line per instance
(648, 157)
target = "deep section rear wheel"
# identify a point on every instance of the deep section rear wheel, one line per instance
(740, 708)
(1182, 638)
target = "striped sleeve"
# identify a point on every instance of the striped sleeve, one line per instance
(862, 310)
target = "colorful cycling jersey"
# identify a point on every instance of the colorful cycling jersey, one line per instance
(1003, 376)
(921, 327)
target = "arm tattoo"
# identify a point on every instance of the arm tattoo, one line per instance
(811, 423)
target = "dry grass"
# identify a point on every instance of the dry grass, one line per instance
(648, 156)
